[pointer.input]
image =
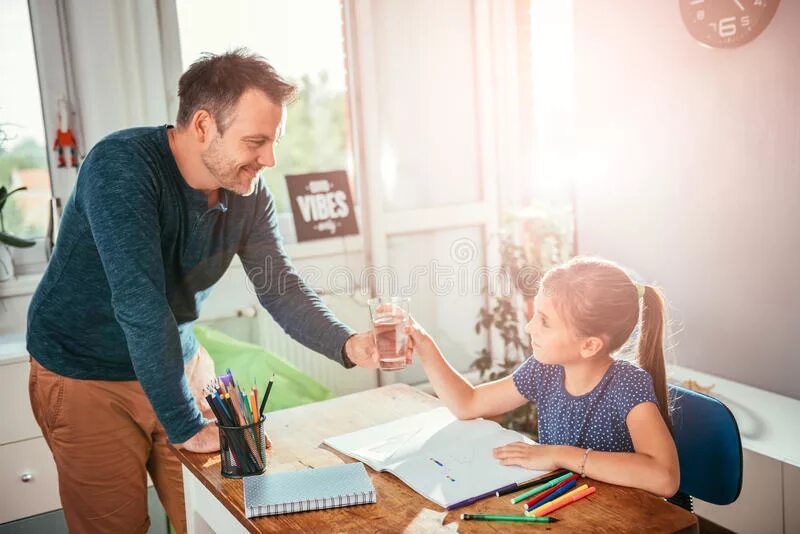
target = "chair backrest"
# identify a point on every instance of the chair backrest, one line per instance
(709, 446)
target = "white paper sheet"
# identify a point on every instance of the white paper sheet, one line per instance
(438, 456)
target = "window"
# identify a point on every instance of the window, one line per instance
(309, 51)
(552, 65)
(23, 151)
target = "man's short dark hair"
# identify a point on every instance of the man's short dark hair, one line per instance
(215, 82)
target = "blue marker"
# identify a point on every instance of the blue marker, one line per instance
(558, 493)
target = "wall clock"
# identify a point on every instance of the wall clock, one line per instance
(726, 23)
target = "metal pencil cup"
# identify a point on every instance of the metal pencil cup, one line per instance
(243, 449)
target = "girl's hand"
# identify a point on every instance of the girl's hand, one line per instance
(540, 457)
(418, 339)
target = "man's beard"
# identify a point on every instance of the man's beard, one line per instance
(225, 170)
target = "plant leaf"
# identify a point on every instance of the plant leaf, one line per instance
(13, 241)
(5, 196)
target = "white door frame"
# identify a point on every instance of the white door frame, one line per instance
(490, 20)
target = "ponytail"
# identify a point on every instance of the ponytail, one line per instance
(650, 349)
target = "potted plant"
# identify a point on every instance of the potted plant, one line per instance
(7, 240)
(535, 240)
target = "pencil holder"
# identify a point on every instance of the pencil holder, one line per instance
(243, 449)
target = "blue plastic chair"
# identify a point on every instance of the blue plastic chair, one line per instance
(709, 449)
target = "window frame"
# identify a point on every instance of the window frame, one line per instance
(171, 49)
(50, 45)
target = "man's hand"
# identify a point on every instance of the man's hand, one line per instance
(360, 349)
(199, 373)
(207, 440)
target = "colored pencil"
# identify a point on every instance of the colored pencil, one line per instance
(538, 511)
(266, 396)
(530, 483)
(568, 499)
(539, 489)
(510, 518)
(548, 492)
(566, 488)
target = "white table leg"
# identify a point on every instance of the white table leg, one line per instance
(204, 513)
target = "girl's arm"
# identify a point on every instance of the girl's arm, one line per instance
(653, 467)
(462, 398)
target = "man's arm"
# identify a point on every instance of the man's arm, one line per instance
(120, 202)
(295, 306)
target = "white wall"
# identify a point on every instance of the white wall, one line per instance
(689, 172)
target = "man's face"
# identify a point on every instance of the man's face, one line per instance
(248, 144)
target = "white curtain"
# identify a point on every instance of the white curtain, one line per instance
(113, 65)
(118, 64)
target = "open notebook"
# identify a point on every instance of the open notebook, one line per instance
(438, 456)
(312, 489)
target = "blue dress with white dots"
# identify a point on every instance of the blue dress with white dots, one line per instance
(595, 419)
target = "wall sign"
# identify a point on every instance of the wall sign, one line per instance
(322, 205)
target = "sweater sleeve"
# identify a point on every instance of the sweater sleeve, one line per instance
(116, 193)
(295, 306)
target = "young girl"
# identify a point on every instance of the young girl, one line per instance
(600, 417)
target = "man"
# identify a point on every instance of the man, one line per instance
(156, 216)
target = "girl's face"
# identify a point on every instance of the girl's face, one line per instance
(553, 340)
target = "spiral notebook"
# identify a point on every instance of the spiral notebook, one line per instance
(303, 491)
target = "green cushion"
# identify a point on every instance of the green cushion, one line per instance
(246, 361)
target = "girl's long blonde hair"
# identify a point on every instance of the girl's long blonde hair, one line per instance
(597, 298)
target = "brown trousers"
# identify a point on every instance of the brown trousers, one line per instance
(105, 439)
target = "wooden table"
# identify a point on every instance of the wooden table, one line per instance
(214, 503)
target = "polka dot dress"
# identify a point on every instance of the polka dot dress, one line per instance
(595, 419)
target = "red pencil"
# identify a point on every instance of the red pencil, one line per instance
(553, 506)
(544, 494)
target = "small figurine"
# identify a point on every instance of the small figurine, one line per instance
(64, 137)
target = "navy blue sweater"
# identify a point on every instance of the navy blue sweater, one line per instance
(138, 251)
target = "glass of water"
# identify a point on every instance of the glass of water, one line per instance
(388, 316)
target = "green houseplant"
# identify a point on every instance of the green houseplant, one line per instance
(534, 240)
(7, 240)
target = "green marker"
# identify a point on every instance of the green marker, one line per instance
(539, 489)
(516, 518)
